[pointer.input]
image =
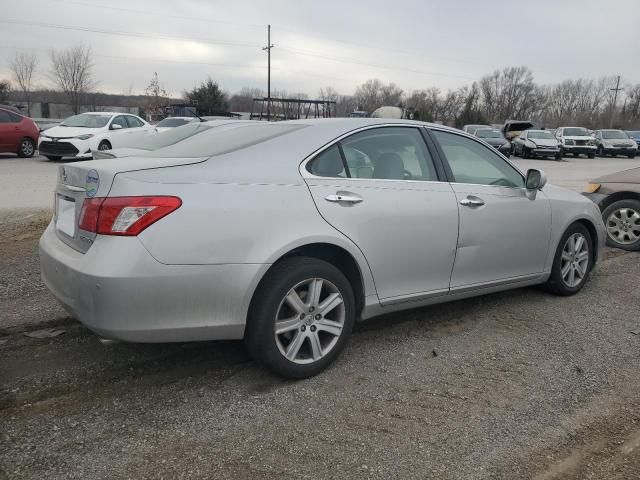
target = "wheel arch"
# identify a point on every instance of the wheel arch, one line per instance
(331, 253)
(593, 233)
(617, 196)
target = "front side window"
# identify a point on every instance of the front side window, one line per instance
(472, 162)
(120, 120)
(134, 122)
(614, 135)
(541, 135)
(4, 117)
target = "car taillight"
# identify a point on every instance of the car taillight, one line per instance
(124, 215)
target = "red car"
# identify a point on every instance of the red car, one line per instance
(18, 134)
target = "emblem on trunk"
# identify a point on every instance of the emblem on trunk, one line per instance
(93, 183)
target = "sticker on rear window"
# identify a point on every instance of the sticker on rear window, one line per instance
(93, 182)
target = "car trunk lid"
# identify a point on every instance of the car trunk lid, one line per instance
(93, 179)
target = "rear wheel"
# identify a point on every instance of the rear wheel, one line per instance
(572, 262)
(622, 221)
(27, 148)
(301, 317)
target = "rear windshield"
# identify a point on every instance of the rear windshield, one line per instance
(173, 122)
(518, 127)
(546, 135)
(576, 132)
(225, 139)
(614, 134)
(487, 133)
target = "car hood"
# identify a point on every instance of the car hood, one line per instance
(578, 137)
(545, 142)
(68, 132)
(626, 176)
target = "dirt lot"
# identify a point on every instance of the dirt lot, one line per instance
(513, 385)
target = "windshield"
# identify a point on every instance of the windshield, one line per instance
(174, 122)
(87, 121)
(487, 133)
(614, 135)
(220, 140)
(540, 135)
(576, 132)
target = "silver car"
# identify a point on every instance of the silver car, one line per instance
(284, 234)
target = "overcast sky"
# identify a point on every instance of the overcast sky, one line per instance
(414, 43)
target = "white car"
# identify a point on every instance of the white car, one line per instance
(172, 122)
(576, 140)
(78, 135)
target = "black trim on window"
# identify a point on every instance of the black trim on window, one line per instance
(442, 159)
(344, 159)
(437, 161)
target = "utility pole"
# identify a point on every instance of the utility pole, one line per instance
(268, 49)
(615, 100)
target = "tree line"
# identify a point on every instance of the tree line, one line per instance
(510, 93)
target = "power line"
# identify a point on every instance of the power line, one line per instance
(128, 34)
(615, 100)
(252, 25)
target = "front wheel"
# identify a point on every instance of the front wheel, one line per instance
(27, 148)
(558, 156)
(572, 262)
(600, 151)
(622, 221)
(301, 317)
(525, 152)
(104, 145)
(592, 155)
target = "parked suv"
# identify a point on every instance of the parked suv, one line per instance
(635, 136)
(576, 141)
(18, 134)
(615, 142)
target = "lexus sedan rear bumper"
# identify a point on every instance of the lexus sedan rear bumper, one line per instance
(118, 290)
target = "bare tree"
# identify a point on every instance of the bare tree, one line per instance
(23, 66)
(72, 72)
(5, 88)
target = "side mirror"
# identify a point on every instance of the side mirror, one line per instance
(115, 126)
(536, 179)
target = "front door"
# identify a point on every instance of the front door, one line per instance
(504, 229)
(380, 188)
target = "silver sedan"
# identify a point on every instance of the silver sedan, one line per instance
(285, 234)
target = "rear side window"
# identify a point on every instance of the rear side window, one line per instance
(386, 153)
(472, 162)
(328, 163)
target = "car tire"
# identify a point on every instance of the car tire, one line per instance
(630, 210)
(104, 145)
(591, 155)
(27, 148)
(305, 335)
(631, 156)
(53, 158)
(570, 261)
(600, 151)
(558, 156)
(525, 153)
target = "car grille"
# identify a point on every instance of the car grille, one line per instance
(620, 145)
(581, 142)
(58, 148)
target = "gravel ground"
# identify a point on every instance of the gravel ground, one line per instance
(519, 384)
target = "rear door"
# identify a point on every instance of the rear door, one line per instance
(505, 230)
(381, 188)
(10, 131)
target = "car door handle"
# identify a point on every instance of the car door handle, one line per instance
(344, 197)
(472, 201)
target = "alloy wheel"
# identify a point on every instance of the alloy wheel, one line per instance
(27, 148)
(575, 260)
(103, 146)
(309, 321)
(623, 226)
